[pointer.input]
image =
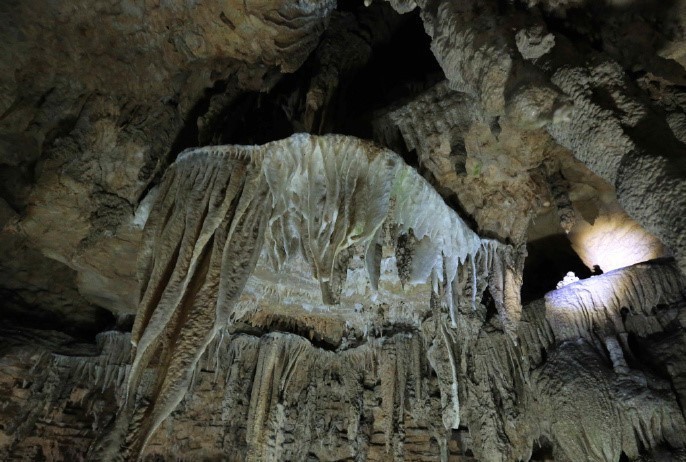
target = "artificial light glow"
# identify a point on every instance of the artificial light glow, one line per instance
(614, 241)
(569, 278)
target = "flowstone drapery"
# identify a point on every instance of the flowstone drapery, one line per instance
(331, 225)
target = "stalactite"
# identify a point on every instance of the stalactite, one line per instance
(315, 298)
(477, 47)
(515, 392)
(107, 370)
(559, 189)
(376, 397)
(314, 198)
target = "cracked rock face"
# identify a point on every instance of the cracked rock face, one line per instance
(296, 230)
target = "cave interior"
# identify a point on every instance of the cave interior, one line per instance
(301, 230)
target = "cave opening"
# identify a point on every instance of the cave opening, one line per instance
(15, 313)
(398, 69)
(543, 450)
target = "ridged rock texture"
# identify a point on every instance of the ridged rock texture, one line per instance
(564, 387)
(307, 208)
(518, 70)
(343, 230)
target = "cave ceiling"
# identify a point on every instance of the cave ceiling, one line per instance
(274, 230)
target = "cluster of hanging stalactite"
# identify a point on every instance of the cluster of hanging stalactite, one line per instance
(320, 199)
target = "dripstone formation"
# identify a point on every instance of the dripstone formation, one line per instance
(343, 231)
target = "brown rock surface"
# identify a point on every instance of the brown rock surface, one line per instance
(94, 103)
(277, 396)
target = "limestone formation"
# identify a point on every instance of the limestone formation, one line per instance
(379, 398)
(458, 143)
(477, 48)
(353, 230)
(91, 114)
(293, 214)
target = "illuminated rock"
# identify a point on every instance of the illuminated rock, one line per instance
(477, 47)
(614, 241)
(331, 230)
(327, 336)
(569, 278)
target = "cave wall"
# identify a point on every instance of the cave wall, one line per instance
(553, 128)
(278, 396)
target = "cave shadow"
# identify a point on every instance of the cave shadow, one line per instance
(398, 69)
(548, 261)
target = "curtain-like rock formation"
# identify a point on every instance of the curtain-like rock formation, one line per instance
(275, 396)
(78, 103)
(316, 298)
(302, 208)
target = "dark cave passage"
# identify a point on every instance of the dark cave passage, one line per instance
(548, 261)
(398, 68)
